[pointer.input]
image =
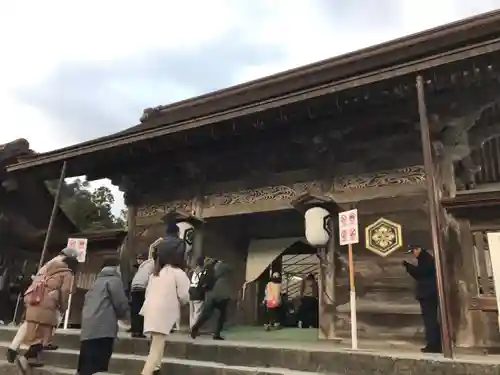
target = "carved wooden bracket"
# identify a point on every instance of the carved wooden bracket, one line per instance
(483, 304)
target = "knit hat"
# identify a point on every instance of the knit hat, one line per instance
(172, 227)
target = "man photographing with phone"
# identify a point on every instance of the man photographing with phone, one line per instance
(424, 274)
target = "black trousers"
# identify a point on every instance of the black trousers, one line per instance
(308, 312)
(136, 321)
(429, 308)
(273, 315)
(95, 355)
(208, 310)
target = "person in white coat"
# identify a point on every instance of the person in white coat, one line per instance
(167, 291)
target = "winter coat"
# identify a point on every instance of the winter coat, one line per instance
(141, 278)
(105, 303)
(165, 295)
(58, 282)
(424, 274)
(222, 287)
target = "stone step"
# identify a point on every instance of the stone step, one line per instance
(314, 357)
(9, 369)
(64, 361)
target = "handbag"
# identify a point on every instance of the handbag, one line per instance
(271, 303)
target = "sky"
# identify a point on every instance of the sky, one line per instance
(75, 70)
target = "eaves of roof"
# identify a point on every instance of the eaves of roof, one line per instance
(413, 53)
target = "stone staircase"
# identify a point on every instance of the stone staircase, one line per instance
(206, 357)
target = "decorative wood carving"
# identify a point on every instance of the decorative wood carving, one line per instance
(160, 209)
(383, 237)
(251, 196)
(404, 176)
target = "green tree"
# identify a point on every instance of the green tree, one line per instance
(122, 219)
(89, 210)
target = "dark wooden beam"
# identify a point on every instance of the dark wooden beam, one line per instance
(242, 160)
(472, 198)
(329, 127)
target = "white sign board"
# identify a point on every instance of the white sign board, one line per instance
(348, 227)
(79, 244)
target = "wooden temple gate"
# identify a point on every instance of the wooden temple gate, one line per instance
(381, 109)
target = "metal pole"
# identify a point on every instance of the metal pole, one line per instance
(352, 295)
(432, 191)
(57, 198)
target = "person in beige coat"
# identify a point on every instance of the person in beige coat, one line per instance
(167, 291)
(45, 299)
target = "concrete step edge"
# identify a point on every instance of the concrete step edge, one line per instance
(8, 368)
(177, 361)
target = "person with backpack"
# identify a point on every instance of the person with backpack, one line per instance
(196, 292)
(105, 303)
(46, 299)
(220, 289)
(272, 301)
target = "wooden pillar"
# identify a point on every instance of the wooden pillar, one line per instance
(327, 289)
(434, 192)
(128, 251)
(471, 329)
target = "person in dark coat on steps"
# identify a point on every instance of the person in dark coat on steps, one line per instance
(218, 296)
(138, 294)
(426, 294)
(105, 304)
(172, 243)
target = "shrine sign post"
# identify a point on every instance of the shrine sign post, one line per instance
(349, 235)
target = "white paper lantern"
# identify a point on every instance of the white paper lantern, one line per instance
(186, 233)
(316, 221)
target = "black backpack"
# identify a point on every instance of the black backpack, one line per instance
(197, 293)
(207, 278)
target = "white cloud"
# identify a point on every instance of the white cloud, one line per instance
(37, 36)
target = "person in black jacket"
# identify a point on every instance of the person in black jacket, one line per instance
(173, 245)
(426, 294)
(217, 280)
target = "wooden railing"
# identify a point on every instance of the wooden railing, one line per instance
(485, 296)
(488, 158)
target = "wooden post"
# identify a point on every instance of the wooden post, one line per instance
(128, 252)
(52, 219)
(328, 281)
(433, 198)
